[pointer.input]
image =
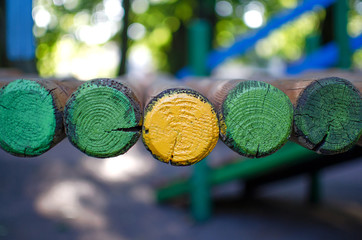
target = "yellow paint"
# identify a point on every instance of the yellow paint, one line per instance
(180, 129)
(222, 125)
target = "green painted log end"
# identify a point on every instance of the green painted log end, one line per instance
(103, 118)
(328, 116)
(28, 118)
(255, 119)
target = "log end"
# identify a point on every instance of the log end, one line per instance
(28, 118)
(255, 119)
(180, 127)
(328, 116)
(103, 118)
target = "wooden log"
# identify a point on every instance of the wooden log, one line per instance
(328, 113)
(359, 143)
(3, 83)
(255, 117)
(103, 117)
(355, 77)
(350, 75)
(180, 125)
(31, 115)
(8, 75)
(9, 72)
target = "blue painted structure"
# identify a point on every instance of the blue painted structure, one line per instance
(247, 41)
(20, 43)
(326, 56)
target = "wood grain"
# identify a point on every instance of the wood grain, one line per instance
(31, 115)
(103, 117)
(180, 125)
(255, 117)
(328, 112)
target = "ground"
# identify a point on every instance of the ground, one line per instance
(65, 194)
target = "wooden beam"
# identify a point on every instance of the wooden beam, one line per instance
(246, 169)
(328, 112)
(9, 74)
(31, 115)
(255, 117)
(180, 125)
(359, 143)
(103, 117)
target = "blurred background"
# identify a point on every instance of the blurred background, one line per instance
(65, 194)
(98, 38)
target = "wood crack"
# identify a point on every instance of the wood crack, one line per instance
(130, 129)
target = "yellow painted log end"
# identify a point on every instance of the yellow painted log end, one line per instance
(180, 127)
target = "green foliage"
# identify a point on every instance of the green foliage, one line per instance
(165, 23)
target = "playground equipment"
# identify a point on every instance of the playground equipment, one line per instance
(327, 113)
(103, 117)
(22, 131)
(180, 125)
(201, 62)
(19, 43)
(255, 171)
(255, 117)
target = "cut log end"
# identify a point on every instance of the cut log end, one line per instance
(29, 118)
(255, 119)
(103, 118)
(180, 127)
(328, 116)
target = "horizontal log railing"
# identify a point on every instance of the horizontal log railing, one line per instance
(104, 117)
(255, 117)
(31, 114)
(180, 125)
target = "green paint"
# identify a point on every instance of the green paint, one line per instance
(256, 119)
(27, 118)
(101, 120)
(340, 20)
(328, 115)
(314, 195)
(289, 155)
(199, 43)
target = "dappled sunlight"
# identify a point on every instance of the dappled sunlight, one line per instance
(85, 49)
(123, 168)
(288, 3)
(88, 62)
(223, 8)
(139, 6)
(113, 9)
(253, 18)
(140, 61)
(142, 194)
(41, 17)
(76, 201)
(136, 31)
(253, 15)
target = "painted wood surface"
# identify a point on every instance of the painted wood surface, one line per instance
(255, 117)
(31, 115)
(328, 113)
(103, 118)
(180, 125)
